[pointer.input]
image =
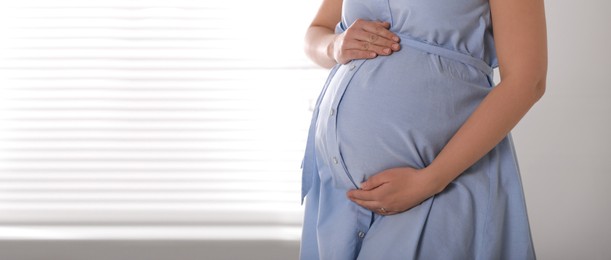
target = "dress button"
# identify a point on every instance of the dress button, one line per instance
(332, 112)
(335, 160)
(352, 67)
(361, 234)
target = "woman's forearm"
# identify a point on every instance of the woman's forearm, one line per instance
(492, 120)
(521, 47)
(319, 45)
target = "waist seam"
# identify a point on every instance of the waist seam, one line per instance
(448, 53)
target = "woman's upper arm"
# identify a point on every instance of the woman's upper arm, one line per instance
(520, 39)
(329, 14)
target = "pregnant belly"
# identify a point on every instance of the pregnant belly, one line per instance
(401, 110)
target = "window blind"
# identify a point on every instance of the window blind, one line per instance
(153, 112)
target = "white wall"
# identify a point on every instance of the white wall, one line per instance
(563, 143)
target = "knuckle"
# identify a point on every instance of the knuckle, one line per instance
(366, 46)
(373, 37)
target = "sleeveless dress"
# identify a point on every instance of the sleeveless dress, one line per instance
(400, 110)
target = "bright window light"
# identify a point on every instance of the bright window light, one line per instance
(153, 113)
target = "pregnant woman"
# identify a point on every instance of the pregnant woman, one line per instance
(409, 154)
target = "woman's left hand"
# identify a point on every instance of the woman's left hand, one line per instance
(396, 190)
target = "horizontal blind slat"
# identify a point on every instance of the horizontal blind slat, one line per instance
(179, 109)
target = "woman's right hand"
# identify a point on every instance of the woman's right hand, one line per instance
(364, 40)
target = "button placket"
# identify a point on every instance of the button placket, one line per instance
(332, 123)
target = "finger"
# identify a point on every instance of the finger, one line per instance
(380, 30)
(375, 207)
(375, 39)
(370, 205)
(367, 46)
(359, 194)
(384, 24)
(353, 54)
(374, 182)
(385, 212)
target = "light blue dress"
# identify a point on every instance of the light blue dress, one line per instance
(400, 110)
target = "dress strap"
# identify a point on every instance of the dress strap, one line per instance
(448, 53)
(436, 49)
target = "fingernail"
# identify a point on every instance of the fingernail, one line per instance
(395, 38)
(387, 51)
(373, 55)
(395, 46)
